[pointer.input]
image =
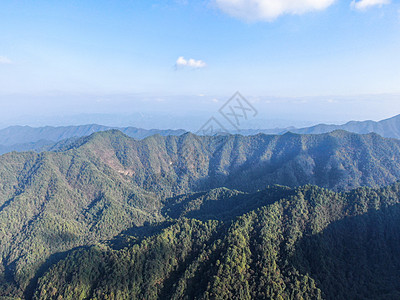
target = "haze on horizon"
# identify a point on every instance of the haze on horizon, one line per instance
(297, 61)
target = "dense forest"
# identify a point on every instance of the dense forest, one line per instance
(202, 217)
(311, 244)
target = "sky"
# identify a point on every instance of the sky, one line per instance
(294, 60)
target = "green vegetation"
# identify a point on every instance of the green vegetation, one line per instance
(75, 220)
(314, 244)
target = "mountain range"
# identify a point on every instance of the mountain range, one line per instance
(25, 138)
(389, 128)
(111, 190)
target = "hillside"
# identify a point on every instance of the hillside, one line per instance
(53, 202)
(338, 160)
(93, 188)
(310, 244)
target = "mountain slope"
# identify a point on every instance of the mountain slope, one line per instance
(95, 187)
(339, 160)
(312, 244)
(53, 202)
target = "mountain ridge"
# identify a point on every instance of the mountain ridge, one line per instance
(26, 138)
(389, 128)
(14, 135)
(222, 157)
(101, 185)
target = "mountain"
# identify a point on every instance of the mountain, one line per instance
(389, 128)
(24, 134)
(178, 164)
(94, 188)
(311, 243)
(25, 138)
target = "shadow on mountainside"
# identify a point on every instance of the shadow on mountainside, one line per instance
(356, 257)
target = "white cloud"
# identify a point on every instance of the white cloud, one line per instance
(5, 60)
(269, 10)
(364, 4)
(191, 63)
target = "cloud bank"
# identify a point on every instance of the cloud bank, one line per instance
(189, 63)
(269, 10)
(365, 4)
(5, 60)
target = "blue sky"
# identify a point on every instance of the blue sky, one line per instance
(70, 57)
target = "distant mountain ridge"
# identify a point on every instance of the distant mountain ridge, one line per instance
(25, 134)
(389, 128)
(26, 138)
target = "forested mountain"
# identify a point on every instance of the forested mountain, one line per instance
(310, 244)
(93, 188)
(178, 164)
(26, 138)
